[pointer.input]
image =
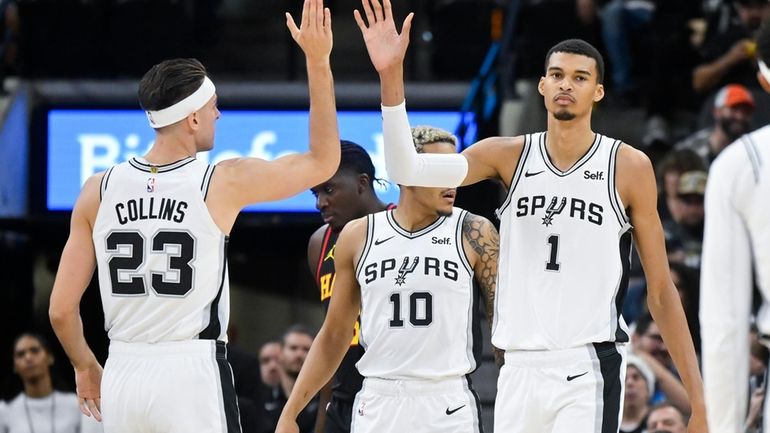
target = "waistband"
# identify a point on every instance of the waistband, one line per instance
(412, 387)
(555, 358)
(205, 348)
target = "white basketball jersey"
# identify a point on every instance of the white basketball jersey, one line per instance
(161, 259)
(565, 245)
(418, 304)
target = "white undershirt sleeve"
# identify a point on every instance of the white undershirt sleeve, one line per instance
(407, 167)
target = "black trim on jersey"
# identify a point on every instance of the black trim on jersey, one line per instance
(625, 260)
(610, 362)
(459, 238)
(412, 235)
(579, 163)
(367, 244)
(478, 402)
(476, 323)
(754, 159)
(161, 168)
(104, 182)
(207, 180)
(214, 328)
(611, 190)
(516, 174)
(229, 398)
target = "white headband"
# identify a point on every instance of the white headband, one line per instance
(183, 108)
(764, 70)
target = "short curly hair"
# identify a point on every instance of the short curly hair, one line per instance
(422, 135)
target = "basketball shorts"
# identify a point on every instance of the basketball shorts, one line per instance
(176, 387)
(416, 406)
(578, 390)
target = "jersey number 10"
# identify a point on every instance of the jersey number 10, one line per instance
(414, 299)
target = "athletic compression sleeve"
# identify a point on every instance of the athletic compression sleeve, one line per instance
(726, 283)
(405, 166)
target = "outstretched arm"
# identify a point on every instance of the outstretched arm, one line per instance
(333, 340)
(387, 49)
(637, 186)
(482, 244)
(244, 181)
(76, 267)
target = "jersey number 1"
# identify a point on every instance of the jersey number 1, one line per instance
(179, 247)
(552, 264)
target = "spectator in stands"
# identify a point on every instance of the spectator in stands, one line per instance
(669, 170)
(640, 383)
(666, 418)
(295, 345)
(687, 282)
(728, 51)
(39, 407)
(647, 345)
(733, 110)
(684, 228)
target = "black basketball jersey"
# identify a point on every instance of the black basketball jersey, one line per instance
(347, 380)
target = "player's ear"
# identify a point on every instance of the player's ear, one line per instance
(541, 86)
(763, 82)
(363, 182)
(599, 93)
(193, 121)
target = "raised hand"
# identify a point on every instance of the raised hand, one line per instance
(314, 34)
(385, 45)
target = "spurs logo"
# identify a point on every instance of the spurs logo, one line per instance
(553, 210)
(406, 269)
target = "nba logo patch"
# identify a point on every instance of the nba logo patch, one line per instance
(361, 409)
(151, 184)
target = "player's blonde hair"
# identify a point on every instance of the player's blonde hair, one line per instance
(423, 134)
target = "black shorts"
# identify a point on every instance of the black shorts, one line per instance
(338, 416)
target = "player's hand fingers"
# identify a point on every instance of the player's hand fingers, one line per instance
(377, 10)
(407, 25)
(83, 406)
(388, 9)
(293, 29)
(327, 26)
(368, 11)
(359, 20)
(312, 14)
(305, 12)
(93, 407)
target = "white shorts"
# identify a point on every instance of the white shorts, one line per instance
(577, 390)
(177, 387)
(416, 406)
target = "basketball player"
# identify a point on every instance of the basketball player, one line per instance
(348, 195)
(736, 248)
(157, 228)
(410, 272)
(573, 198)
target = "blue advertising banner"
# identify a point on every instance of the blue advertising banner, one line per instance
(84, 142)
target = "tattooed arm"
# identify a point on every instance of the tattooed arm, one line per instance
(481, 243)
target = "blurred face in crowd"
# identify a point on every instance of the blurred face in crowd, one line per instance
(269, 366)
(637, 392)
(735, 120)
(689, 211)
(666, 419)
(652, 343)
(570, 88)
(30, 359)
(752, 13)
(295, 348)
